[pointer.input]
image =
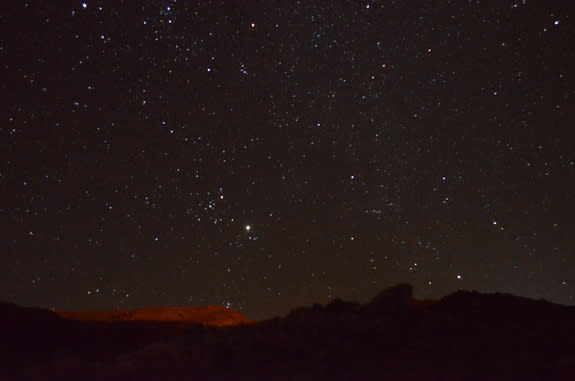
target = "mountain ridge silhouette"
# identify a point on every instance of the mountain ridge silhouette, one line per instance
(466, 335)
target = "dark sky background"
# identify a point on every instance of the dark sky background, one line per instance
(265, 155)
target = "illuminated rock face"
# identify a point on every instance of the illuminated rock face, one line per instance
(206, 315)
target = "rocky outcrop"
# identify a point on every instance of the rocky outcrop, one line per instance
(392, 299)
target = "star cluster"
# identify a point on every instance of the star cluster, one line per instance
(268, 154)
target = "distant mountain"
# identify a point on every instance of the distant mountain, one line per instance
(32, 339)
(464, 336)
(207, 315)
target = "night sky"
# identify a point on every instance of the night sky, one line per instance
(265, 155)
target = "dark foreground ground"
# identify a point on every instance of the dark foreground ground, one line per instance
(464, 336)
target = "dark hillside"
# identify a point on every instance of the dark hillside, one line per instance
(464, 336)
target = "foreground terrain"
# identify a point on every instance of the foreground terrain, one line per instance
(464, 336)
